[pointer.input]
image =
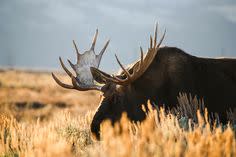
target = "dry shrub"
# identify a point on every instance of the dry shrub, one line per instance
(159, 135)
(22, 139)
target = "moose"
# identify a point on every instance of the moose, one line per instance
(158, 76)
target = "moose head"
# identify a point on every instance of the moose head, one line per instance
(123, 92)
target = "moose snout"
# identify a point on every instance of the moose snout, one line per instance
(95, 129)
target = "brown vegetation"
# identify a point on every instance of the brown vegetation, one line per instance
(27, 95)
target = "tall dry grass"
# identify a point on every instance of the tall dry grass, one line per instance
(159, 135)
(31, 95)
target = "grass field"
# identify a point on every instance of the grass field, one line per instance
(39, 118)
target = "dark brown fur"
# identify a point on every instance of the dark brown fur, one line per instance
(171, 72)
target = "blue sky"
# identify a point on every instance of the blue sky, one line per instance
(34, 33)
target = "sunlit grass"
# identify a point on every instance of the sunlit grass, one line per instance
(158, 135)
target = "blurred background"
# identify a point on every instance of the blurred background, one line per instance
(34, 33)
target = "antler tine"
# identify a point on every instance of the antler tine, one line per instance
(126, 72)
(77, 51)
(141, 51)
(162, 38)
(110, 78)
(72, 65)
(150, 41)
(61, 84)
(64, 67)
(104, 48)
(99, 56)
(155, 35)
(141, 60)
(94, 40)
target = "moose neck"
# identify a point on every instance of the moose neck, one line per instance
(135, 98)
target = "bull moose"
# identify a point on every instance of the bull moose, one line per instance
(158, 76)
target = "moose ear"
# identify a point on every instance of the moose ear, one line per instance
(98, 75)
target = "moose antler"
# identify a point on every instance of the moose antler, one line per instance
(138, 68)
(84, 79)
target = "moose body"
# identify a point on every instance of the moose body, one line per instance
(159, 76)
(173, 71)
